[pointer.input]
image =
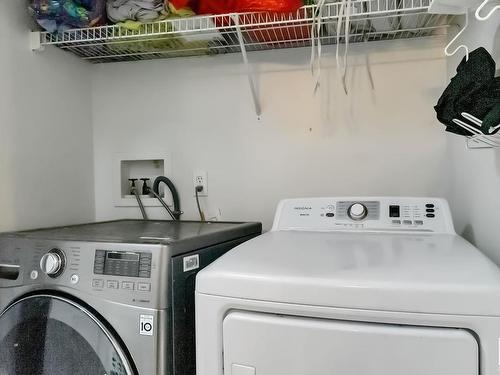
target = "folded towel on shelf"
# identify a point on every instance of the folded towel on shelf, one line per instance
(135, 10)
(474, 90)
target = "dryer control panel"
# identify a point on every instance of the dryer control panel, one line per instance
(365, 214)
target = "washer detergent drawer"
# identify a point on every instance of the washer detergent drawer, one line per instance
(266, 344)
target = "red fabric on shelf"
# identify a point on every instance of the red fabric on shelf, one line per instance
(179, 4)
(240, 6)
(277, 6)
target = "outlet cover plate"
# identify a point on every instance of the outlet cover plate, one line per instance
(200, 178)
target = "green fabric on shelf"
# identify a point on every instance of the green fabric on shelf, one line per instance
(158, 43)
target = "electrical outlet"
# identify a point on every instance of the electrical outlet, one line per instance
(200, 179)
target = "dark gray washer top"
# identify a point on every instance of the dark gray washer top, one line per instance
(181, 235)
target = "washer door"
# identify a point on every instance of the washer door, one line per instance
(44, 334)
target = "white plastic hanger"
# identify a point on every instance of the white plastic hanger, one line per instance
(478, 139)
(477, 135)
(479, 123)
(447, 49)
(480, 8)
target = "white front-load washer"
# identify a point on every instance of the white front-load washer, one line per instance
(351, 286)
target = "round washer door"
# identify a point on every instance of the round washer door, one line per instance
(44, 334)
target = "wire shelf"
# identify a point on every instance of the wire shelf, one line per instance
(371, 20)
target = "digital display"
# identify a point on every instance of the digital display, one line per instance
(394, 211)
(123, 263)
(123, 256)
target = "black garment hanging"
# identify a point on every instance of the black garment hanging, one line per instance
(474, 90)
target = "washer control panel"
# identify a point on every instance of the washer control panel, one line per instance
(370, 214)
(123, 273)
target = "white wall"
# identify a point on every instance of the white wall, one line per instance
(45, 131)
(474, 175)
(199, 110)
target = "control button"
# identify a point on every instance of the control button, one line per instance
(330, 214)
(419, 222)
(430, 215)
(34, 275)
(430, 210)
(407, 222)
(397, 222)
(112, 284)
(74, 279)
(144, 287)
(357, 211)
(128, 285)
(429, 205)
(98, 283)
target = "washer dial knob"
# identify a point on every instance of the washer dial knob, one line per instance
(52, 263)
(357, 211)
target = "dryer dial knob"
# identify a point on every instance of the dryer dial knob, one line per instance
(51, 263)
(357, 211)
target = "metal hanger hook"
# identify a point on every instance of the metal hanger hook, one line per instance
(490, 13)
(446, 50)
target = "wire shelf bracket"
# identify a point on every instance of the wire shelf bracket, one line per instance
(36, 41)
(251, 77)
(462, 46)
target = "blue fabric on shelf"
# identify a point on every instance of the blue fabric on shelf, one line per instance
(59, 15)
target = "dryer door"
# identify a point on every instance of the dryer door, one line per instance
(266, 344)
(44, 334)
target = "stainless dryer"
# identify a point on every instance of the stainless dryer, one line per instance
(107, 298)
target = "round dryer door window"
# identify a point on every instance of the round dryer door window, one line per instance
(43, 334)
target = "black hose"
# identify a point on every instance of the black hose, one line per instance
(173, 190)
(202, 215)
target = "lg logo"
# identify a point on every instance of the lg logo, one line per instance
(146, 325)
